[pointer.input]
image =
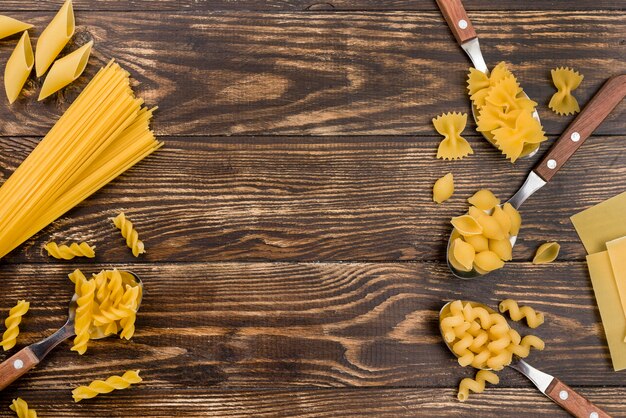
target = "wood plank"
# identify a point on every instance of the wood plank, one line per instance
(271, 325)
(250, 73)
(305, 5)
(248, 198)
(146, 401)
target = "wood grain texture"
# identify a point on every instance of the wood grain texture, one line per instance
(313, 403)
(304, 5)
(286, 325)
(325, 74)
(249, 198)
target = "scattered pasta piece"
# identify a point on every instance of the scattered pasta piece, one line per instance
(65, 70)
(9, 338)
(65, 252)
(130, 233)
(112, 383)
(476, 385)
(516, 312)
(18, 68)
(488, 228)
(547, 253)
(21, 409)
(107, 305)
(505, 114)
(443, 188)
(10, 26)
(565, 80)
(54, 38)
(453, 146)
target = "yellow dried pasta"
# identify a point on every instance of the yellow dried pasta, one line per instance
(547, 253)
(129, 233)
(12, 322)
(18, 68)
(21, 409)
(65, 252)
(463, 253)
(453, 146)
(517, 313)
(112, 383)
(484, 199)
(443, 188)
(466, 225)
(10, 26)
(54, 38)
(565, 80)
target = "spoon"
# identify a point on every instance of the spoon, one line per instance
(553, 388)
(592, 115)
(464, 33)
(28, 357)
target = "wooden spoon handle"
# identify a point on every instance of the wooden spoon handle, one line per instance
(16, 366)
(456, 16)
(598, 108)
(573, 402)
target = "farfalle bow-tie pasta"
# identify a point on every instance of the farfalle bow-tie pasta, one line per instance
(453, 146)
(565, 80)
(504, 113)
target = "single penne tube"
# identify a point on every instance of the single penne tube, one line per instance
(54, 38)
(10, 26)
(18, 68)
(65, 70)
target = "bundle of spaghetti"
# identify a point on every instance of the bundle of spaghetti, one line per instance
(102, 134)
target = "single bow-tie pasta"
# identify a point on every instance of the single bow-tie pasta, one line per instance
(463, 253)
(10, 26)
(21, 409)
(18, 68)
(484, 199)
(565, 80)
(443, 188)
(511, 141)
(479, 84)
(54, 38)
(488, 261)
(466, 225)
(547, 253)
(65, 70)
(514, 216)
(453, 146)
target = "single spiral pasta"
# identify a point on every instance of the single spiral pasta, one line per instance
(517, 313)
(476, 385)
(21, 409)
(112, 383)
(67, 252)
(9, 338)
(85, 289)
(129, 233)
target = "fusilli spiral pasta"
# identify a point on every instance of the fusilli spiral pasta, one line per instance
(565, 80)
(129, 233)
(476, 385)
(9, 338)
(516, 312)
(65, 252)
(106, 386)
(21, 409)
(85, 289)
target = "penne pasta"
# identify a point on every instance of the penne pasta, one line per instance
(54, 38)
(65, 70)
(10, 26)
(18, 68)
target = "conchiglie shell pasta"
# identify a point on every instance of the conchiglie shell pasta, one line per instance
(502, 218)
(488, 261)
(484, 199)
(491, 228)
(10, 26)
(547, 253)
(479, 242)
(502, 248)
(443, 188)
(464, 253)
(18, 68)
(54, 38)
(516, 218)
(466, 225)
(66, 70)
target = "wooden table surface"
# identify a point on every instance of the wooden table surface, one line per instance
(295, 260)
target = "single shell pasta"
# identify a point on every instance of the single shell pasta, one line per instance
(466, 225)
(476, 385)
(517, 313)
(443, 188)
(67, 252)
(12, 322)
(21, 409)
(547, 253)
(112, 383)
(484, 199)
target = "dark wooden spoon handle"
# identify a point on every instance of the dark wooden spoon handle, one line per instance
(573, 402)
(456, 16)
(598, 108)
(16, 366)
